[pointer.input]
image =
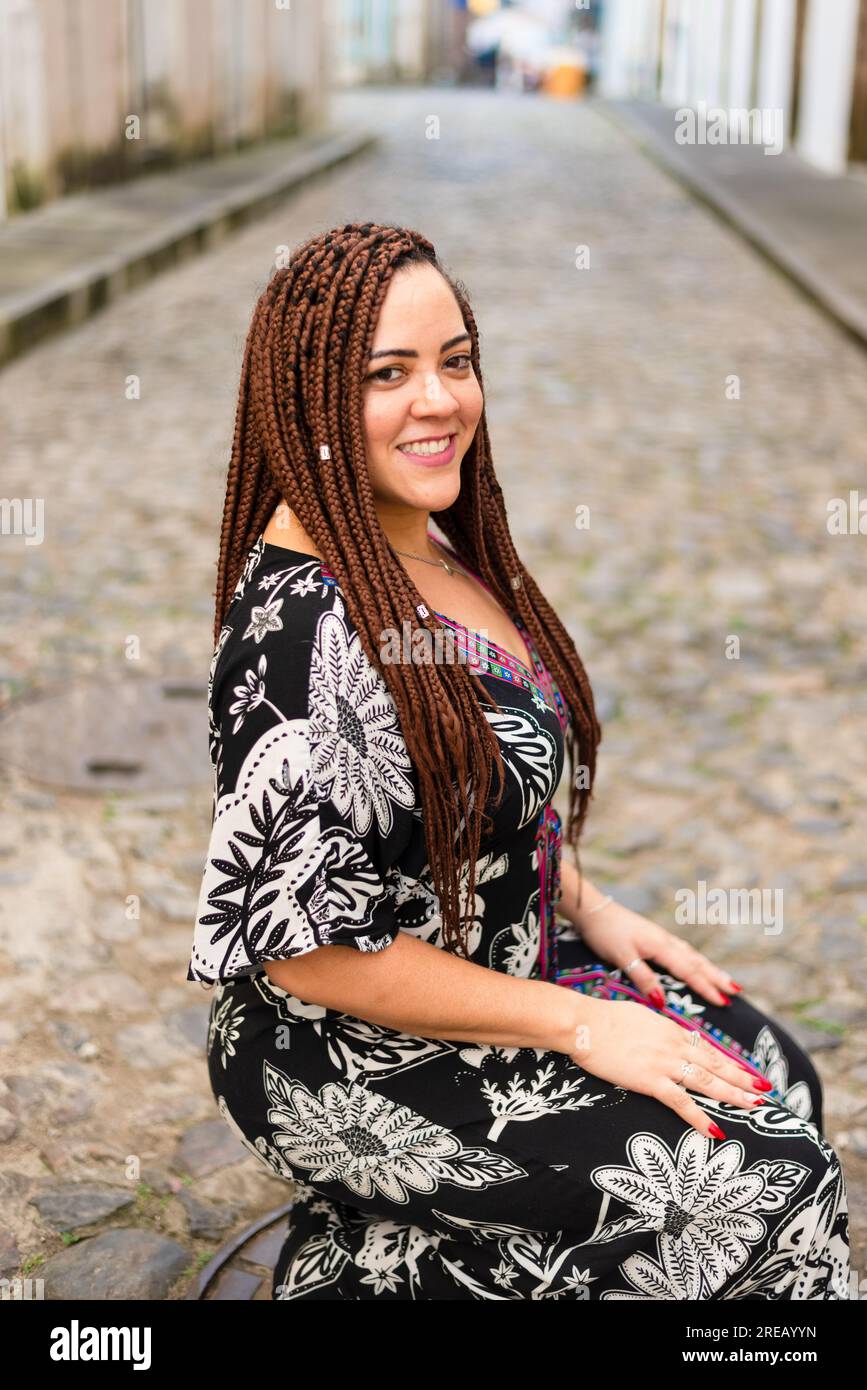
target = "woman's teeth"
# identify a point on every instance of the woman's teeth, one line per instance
(433, 446)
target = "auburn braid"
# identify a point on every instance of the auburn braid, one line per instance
(303, 367)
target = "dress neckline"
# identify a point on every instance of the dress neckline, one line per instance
(474, 632)
(478, 639)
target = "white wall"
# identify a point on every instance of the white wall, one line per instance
(72, 70)
(23, 127)
(706, 51)
(630, 48)
(828, 66)
(777, 56)
(741, 51)
(675, 55)
(708, 56)
(614, 73)
(409, 38)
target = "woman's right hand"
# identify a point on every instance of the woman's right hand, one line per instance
(634, 1047)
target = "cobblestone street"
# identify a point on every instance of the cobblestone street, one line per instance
(677, 386)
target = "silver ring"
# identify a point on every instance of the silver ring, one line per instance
(632, 964)
(686, 1069)
(695, 1038)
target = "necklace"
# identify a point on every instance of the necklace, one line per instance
(449, 569)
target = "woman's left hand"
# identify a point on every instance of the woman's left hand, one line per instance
(618, 935)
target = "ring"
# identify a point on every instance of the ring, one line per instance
(638, 961)
(695, 1038)
(686, 1069)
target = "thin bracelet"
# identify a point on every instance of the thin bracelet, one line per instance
(604, 903)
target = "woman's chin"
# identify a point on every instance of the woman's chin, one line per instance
(431, 494)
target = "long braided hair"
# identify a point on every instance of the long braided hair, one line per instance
(301, 387)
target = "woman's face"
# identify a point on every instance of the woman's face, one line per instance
(419, 386)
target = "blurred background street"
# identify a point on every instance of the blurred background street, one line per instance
(652, 353)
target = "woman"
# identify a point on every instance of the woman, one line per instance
(457, 1123)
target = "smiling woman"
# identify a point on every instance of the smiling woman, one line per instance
(389, 1029)
(421, 410)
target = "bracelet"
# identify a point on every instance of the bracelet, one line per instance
(604, 903)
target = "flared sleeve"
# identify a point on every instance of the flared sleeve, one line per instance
(314, 790)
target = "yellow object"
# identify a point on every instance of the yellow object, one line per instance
(564, 81)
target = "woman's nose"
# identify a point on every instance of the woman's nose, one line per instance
(435, 396)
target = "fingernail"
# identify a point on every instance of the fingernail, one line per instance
(761, 1084)
(657, 997)
(716, 1131)
(759, 1100)
(735, 986)
(725, 998)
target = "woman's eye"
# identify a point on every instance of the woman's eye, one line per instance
(378, 376)
(459, 360)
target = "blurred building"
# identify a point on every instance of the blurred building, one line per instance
(398, 40)
(93, 91)
(806, 58)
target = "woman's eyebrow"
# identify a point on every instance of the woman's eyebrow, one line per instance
(411, 352)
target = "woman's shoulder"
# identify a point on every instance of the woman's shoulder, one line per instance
(293, 683)
(314, 790)
(274, 573)
(290, 651)
(278, 600)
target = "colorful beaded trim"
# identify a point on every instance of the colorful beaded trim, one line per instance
(596, 979)
(327, 576)
(492, 658)
(550, 686)
(504, 664)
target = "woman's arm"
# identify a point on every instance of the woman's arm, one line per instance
(624, 938)
(419, 988)
(591, 897)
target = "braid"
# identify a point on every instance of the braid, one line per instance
(307, 346)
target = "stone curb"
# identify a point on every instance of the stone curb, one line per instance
(846, 311)
(68, 299)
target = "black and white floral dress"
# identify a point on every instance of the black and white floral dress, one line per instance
(432, 1169)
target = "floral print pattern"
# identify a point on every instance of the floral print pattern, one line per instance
(429, 1168)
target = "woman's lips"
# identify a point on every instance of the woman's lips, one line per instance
(433, 460)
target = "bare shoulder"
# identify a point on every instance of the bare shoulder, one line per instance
(285, 529)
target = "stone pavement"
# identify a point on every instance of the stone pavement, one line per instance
(703, 411)
(812, 225)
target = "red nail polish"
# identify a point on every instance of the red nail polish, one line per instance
(759, 1100)
(657, 997)
(761, 1084)
(716, 1131)
(725, 998)
(736, 987)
